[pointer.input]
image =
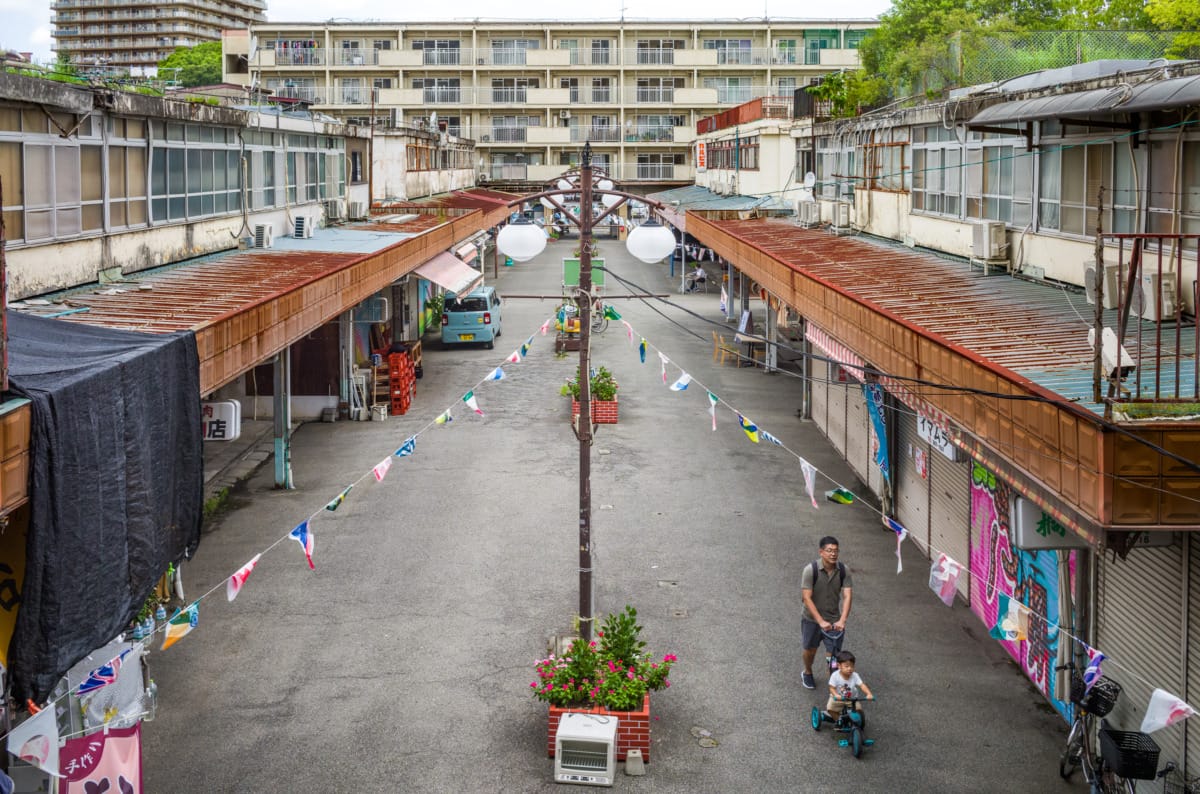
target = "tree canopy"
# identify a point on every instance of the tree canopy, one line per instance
(199, 65)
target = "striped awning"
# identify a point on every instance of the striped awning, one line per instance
(449, 272)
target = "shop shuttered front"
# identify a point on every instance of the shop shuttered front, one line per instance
(912, 490)
(950, 511)
(1192, 652)
(858, 434)
(1139, 625)
(819, 410)
(836, 428)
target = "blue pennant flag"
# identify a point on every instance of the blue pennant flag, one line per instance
(765, 436)
(407, 448)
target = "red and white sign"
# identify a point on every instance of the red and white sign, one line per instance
(701, 156)
(220, 421)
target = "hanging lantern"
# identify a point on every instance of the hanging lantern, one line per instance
(521, 240)
(651, 242)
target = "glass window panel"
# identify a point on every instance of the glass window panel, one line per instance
(66, 175)
(135, 161)
(116, 214)
(206, 169)
(175, 181)
(14, 224)
(1123, 185)
(91, 173)
(11, 173)
(39, 224)
(137, 213)
(974, 172)
(1099, 168)
(93, 217)
(1162, 174)
(68, 221)
(1049, 171)
(1073, 180)
(950, 205)
(194, 206)
(38, 190)
(1072, 220)
(176, 208)
(1022, 175)
(116, 173)
(1191, 177)
(160, 209)
(10, 119)
(194, 168)
(953, 172)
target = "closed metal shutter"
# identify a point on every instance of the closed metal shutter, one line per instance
(820, 394)
(836, 428)
(912, 490)
(1139, 625)
(950, 511)
(1192, 652)
(858, 433)
(874, 475)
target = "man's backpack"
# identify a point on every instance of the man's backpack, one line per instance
(816, 567)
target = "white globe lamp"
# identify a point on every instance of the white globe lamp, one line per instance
(605, 184)
(651, 242)
(521, 241)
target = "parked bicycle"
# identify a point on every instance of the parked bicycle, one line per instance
(599, 319)
(1124, 756)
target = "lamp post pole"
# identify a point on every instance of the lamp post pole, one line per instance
(584, 429)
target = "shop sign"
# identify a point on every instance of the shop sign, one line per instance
(220, 421)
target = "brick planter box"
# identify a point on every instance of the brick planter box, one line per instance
(604, 412)
(633, 728)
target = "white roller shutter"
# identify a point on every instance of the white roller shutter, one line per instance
(912, 490)
(820, 394)
(836, 428)
(950, 512)
(858, 433)
(1139, 625)
(1192, 651)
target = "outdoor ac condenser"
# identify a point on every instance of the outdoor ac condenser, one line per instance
(988, 240)
(264, 235)
(585, 749)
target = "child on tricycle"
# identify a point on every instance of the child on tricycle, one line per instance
(846, 691)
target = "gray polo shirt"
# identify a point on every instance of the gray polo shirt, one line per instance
(826, 595)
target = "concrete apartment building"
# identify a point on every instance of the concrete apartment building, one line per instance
(130, 36)
(530, 93)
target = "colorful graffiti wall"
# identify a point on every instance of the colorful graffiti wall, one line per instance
(1031, 577)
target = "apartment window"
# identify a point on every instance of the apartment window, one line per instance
(658, 50)
(382, 44)
(352, 91)
(1069, 181)
(356, 167)
(439, 89)
(127, 186)
(197, 181)
(656, 127)
(731, 90)
(835, 169)
(785, 51)
(854, 38)
(817, 40)
(511, 52)
(439, 52)
(602, 89)
(601, 52)
(571, 46)
(658, 89)
(658, 166)
(785, 86)
(572, 84)
(512, 89)
(730, 51)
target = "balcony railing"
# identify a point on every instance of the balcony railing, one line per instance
(651, 134)
(446, 96)
(649, 171)
(446, 57)
(602, 96)
(595, 134)
(307, 93)
(508, 134)
(504, 57)
(352, 57)
(508, 95)
(299, 56)
(509, 170)
(656, 95)
(650, 56)
(352, 96)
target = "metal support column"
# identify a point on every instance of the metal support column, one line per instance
(771, 332)
(282, 411)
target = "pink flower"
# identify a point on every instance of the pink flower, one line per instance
(670, 657)
(599, 633)
(612, 668)
(595, 692)
(534, 684)
(666, 682)
(630, 674)
(653, 666)
(592, 644)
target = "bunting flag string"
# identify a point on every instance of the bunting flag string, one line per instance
(765, 436)
(642, 350)
(749, 428)
(380, 469)
(407, 448)
(496, 374)
(1091, 673)
(472, 403)
(712, 410)
(628, 331)
(901, 534)
(610, 313)
(810, 481)
(682, 383)
(514, 358)
(336, 501)
(238, 578)
(546, 326)
(181, 624)
(103, 675)
(444, 419)
(662, 358)
(302, 535)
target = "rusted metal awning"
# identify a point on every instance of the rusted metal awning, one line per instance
(676, 219)
(1157, 95)
(467, 253)
(448, 271)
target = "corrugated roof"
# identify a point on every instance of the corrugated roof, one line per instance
(1036, 331)
(1155, 95)
(695, 197)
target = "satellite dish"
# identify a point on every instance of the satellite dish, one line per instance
(433, 120)
(810, 179)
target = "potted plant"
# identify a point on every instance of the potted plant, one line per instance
(604, 396)
(613, 675)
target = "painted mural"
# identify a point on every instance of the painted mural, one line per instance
(1031, 577)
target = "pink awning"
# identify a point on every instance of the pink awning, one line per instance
(676, 219)
(448, 271)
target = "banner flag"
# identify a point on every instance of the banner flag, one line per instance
(35, 741)
(712, 408)
(407, 448)
(682, 383)
(1012, 620)
(302, 535)
(642, 350)
(546, 326)
(102, 676)
(181, 624)
(233, 585)
(1164, 709)
(496, 374)
(108, 761)
(749, 427)
(810, 480)
(336, 501)
(515, 358)
(662, 357)
(943, 578)
(765, 436)
(472, 403)
(628, 331)
(380, 469)
(444, 419)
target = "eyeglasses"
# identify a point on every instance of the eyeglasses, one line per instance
(830, 550)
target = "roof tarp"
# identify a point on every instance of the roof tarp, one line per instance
(1156, 95)
(449, 272)
(116, 483)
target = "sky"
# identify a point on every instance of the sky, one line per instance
(27, 22)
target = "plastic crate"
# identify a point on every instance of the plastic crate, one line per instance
(1131, 754)
(1097, 701)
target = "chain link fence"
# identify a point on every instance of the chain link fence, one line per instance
(983, 59)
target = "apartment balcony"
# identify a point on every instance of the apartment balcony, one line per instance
(350, 96)
(415, 97)
(549, 96)
(547, 58)
(352, 57)
(306, 93)
(508, 96)
(696, 96)
(647, 134)
(485, 56)
(300, 57)
(654, 96)
(593, 57)
(839, 59)
(506, 135)
(455, 57)
(595, 134)
(548, 136)
(399, 59)
(656, 172)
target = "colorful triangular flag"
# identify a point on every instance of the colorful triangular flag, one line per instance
(901, 534)
(472, 403)
(525, 347)
(642, 350)
(336, 501)
(682, 383)
(749, 427)
(380, 469)
(304, 536)
(1164, 709)
(1091, 673)
(662, 357)
(712, 408)
(943, 578)
(610, 313)
(1012, 620)
(444, 419)
(724, 298)
(35, 741)
(765, 436)
(181, 624)
(546, 326)
(407, 448)
(810, 480)
(496, 374)
(840, 496)
(102, 676)
(514, 358)
(628, 330)
(233, 585)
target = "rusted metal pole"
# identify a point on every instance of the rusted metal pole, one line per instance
(584, 430)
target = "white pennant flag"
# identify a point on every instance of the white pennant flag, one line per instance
(723, 299)
(712, 408)
(515, 357)
(469, 399)
(628, 330)
(810, 478)
(35, 741)
(662, 357)
(682, 383)
(234, 585)
(380, 469)
(496, 374)
(546, 326)
(1164, 709)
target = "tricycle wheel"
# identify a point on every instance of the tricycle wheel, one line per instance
(861, 719)
(856, 742)
(816, 718)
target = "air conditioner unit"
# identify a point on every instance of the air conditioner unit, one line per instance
(841, 216)
(989, 241)
(1157, 296)
(302, 227)
(564, 114)
(264, 235)
(585, 749)
(358, 210)
(485, 138)
(1112, 285)
(333, 210)
(1115, 358)
(808, 213)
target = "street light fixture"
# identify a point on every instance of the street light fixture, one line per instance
(650, 242)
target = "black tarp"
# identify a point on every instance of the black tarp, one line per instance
(115, 487)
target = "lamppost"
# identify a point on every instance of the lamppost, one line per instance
(650, 242)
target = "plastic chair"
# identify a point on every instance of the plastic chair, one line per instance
(722, 349)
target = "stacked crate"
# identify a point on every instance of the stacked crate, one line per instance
(402, 382)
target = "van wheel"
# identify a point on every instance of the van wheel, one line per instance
(489, 344)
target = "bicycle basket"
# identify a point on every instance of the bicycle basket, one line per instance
(1132, 755)
(1097, 701)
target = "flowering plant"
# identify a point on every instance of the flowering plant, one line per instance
(612, 671)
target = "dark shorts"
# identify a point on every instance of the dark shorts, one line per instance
(811, 637)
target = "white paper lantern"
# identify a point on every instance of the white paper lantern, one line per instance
(563, 184)
(609, 199)
(651, 242)
(605, 184)
(521, 241)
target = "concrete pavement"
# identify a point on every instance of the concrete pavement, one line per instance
(402, 663)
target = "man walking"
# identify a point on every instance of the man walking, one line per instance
(825, 586)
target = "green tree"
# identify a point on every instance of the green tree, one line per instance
(1182, 15)
(199, 65)
(849, 92)
(1104, 15)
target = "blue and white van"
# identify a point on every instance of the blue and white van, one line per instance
(472, 318)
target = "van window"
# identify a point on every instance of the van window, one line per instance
(467, 304)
